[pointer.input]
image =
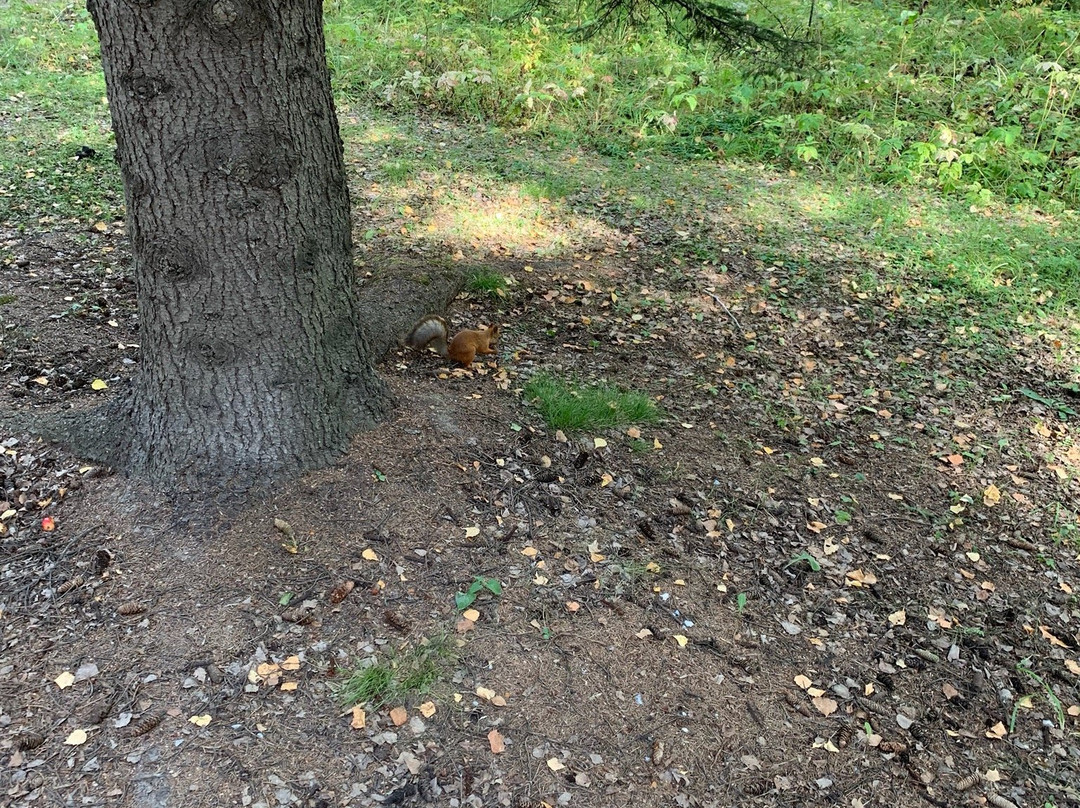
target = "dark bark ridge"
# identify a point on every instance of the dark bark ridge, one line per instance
(254, 361)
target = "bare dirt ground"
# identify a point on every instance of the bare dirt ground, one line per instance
(840, 570)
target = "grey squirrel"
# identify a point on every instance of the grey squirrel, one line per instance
(463, 348)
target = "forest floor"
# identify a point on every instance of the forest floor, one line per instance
(840, 569)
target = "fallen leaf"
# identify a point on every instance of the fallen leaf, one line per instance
(472, 532)
(572, 606)
(471, 615)
(359, 718)
(1073, 666)
(555, 765)
(997, 731)
(991, 496)
(99, 384)
(427, 709)
(200, 720)
(681, 640)
(464, 625)
(803, 681)
(485, 692)
(369, 555)
(898, 618)
(599, 443)
(291, 664)
(65, 679)
(399, 715)
(825, 705)
(859, 578)
(76, 738)
(1048, 636)
(495, 741)
(288, 687)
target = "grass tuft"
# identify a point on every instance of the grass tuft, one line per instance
(566, 406)
(486, 282)
(411, 671)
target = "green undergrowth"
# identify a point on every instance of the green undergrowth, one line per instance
(976, 100)
(570, 406)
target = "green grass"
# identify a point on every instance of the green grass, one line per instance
(567, 406)
(891, 96)
(486, 282)
(53, 90)
(412, 671)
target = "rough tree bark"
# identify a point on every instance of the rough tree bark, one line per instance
(253, 362)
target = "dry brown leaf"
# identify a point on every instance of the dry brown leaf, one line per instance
(399, 715)
(495, 741)
(825, 705)
(359, 718)
(427, 709)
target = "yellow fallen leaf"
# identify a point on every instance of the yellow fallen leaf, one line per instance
(1048, 636)
(288, 687)
(76, 738)
(472, 532)
(898, 618)
(99, 384)
(657, 444)
(427, 709)
(599, 443)
(369, 555)
(681, 640)
(485, 692)
(359, 718)
(529, 552)
(65, 680)
(291, 664)
(997, 731)
(991, 496)
(200, 720)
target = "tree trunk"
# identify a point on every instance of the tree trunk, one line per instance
(253, 362)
